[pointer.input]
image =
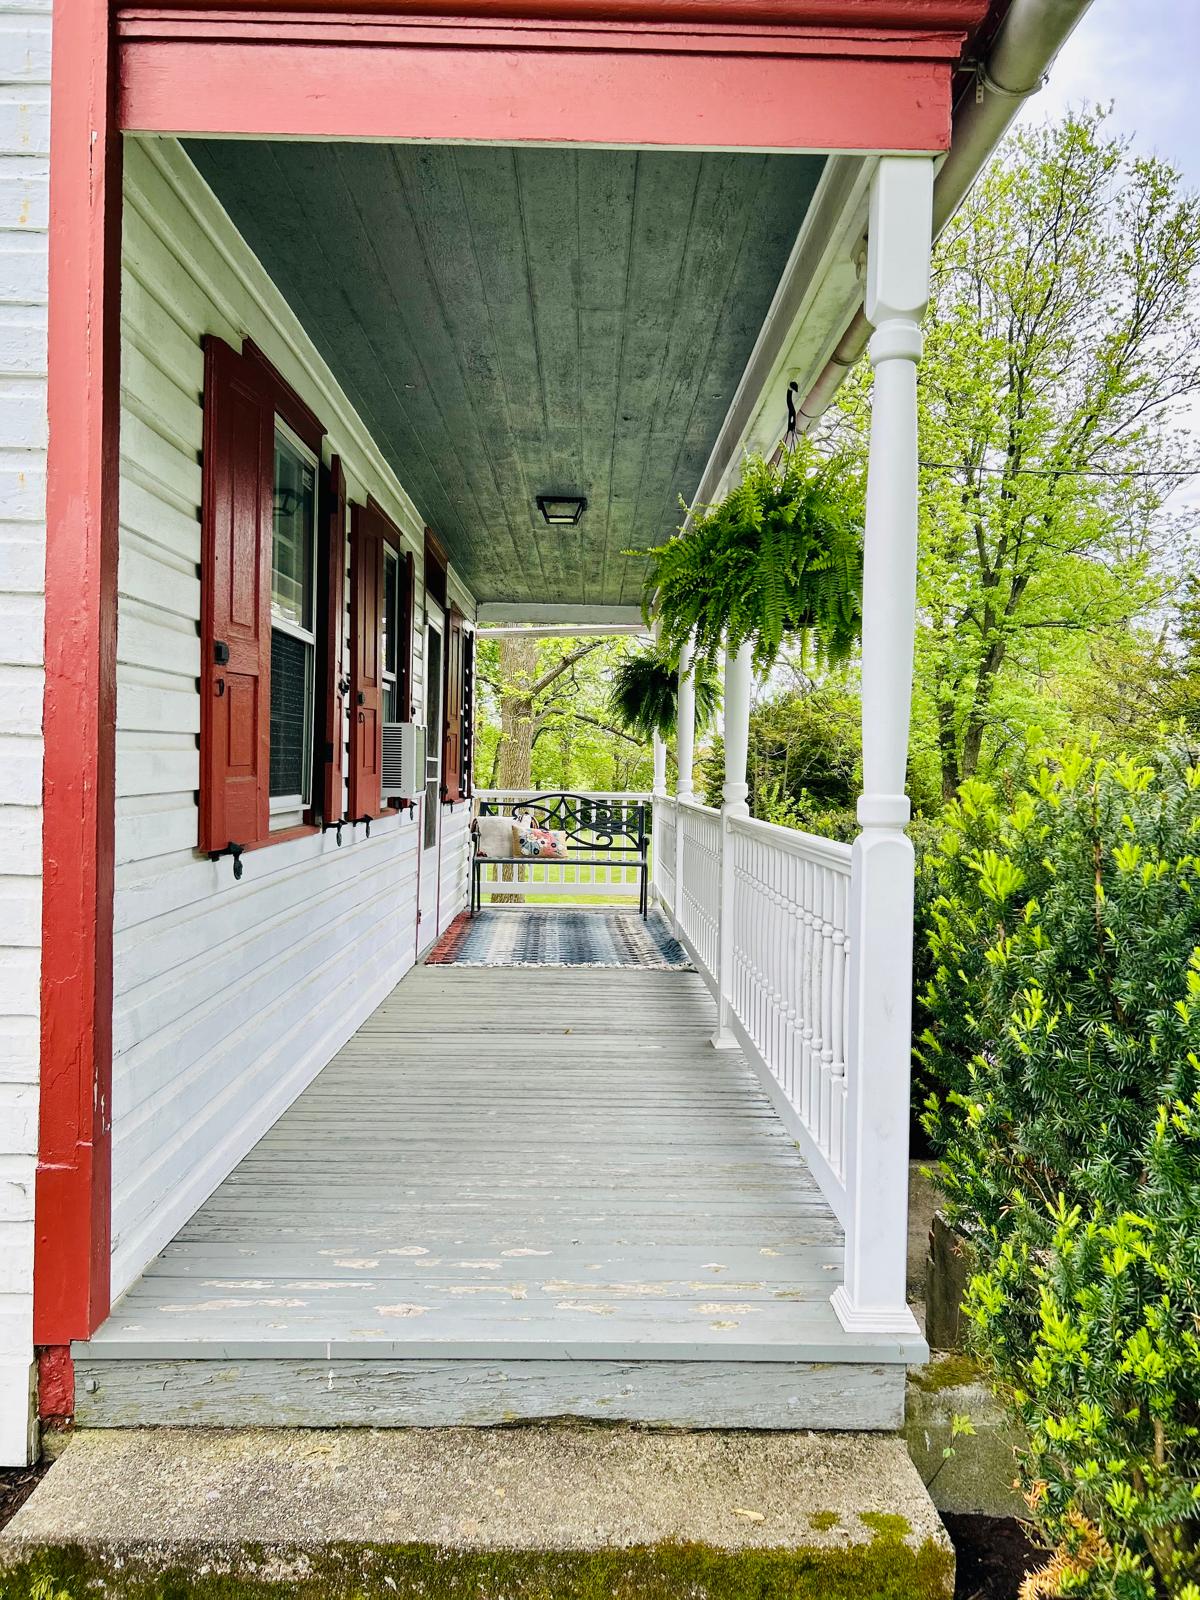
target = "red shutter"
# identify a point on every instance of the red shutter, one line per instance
(235, 605)
(452, 738)
(333, 614)
(366, 678)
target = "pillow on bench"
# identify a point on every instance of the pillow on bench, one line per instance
(539, 843)
(495, 835)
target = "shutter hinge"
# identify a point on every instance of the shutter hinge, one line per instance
(231, 849)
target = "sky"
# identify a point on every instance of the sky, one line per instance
(1144, 56)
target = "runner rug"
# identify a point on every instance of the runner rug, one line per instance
(560, 936)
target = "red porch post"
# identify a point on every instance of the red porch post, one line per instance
(72, 1215)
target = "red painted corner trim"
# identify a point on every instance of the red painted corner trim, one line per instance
(56, 1382)
(73, 1185)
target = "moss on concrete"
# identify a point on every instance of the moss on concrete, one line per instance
(887, 1569)
(885, 1525)
(822, 1521)
(951, 1371)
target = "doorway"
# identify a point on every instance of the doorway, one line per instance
(431, 806)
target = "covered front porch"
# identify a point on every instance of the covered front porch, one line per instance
(515, 1193)
(345, 350)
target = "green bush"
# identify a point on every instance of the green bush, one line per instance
(1064, 1019)
(804, 748)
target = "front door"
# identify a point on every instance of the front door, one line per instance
(431, 805)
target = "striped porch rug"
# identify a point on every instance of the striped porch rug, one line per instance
(559, 936)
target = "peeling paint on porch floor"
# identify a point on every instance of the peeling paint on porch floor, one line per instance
(273, 1505)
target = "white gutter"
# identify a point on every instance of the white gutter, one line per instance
(1026, 43)
(563, 630)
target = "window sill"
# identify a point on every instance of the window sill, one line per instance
(302, 830)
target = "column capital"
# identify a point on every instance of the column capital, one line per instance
(898, 236)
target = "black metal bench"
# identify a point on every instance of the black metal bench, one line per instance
(600, 833)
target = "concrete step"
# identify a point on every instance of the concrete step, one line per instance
(555, 1513)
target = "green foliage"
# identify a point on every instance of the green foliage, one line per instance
(644, 694)
(542, 717)
(1064, 1016)
(804, 765)
(780, 557)
(1061, 345)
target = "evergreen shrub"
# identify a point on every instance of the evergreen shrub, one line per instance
(1063, 1020)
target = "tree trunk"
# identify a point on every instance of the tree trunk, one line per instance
(514, 756)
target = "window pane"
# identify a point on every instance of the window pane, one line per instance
(433, 725)
(391, 610)
(290, 698)
(292, 548)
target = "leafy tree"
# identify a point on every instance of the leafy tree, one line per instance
(543, 720)
(805, 758)
(1062, 339)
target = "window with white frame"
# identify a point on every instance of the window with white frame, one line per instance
(293, 635)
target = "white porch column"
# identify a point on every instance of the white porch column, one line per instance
(738, 680)
(660, 767)
(659, 794)
(685, 726)
(873, 1295)
(685, 758)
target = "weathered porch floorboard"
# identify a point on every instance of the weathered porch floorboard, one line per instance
(514, 1193)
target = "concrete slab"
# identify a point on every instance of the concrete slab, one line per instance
(353, 1510)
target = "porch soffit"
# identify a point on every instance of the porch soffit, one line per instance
(510, 321)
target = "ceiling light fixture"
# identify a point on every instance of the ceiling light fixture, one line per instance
(561, 510)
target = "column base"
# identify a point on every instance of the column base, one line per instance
(895, 1320)
(723, 1039)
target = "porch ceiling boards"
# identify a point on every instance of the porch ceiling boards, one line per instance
(510, 322)
(515, 1193)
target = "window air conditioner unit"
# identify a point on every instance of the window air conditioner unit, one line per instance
(403, 775)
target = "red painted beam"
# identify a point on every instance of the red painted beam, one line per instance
(911, 15)
(814, 96)
(72, 1197)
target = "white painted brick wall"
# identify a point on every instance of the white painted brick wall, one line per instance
(24, 174)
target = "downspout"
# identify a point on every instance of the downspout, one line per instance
(1025, 45)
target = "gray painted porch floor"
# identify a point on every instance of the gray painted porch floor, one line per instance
(511, 1165)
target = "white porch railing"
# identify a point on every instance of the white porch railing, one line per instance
(789, 998)
(791, 993)
(663, 864)
(565, 879)
(698, 889)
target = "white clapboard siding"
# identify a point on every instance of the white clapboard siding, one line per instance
(24, 148)
(453, 885)
(228, 996)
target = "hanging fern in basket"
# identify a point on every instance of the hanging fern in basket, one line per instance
(780, 557)
(644, 695)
